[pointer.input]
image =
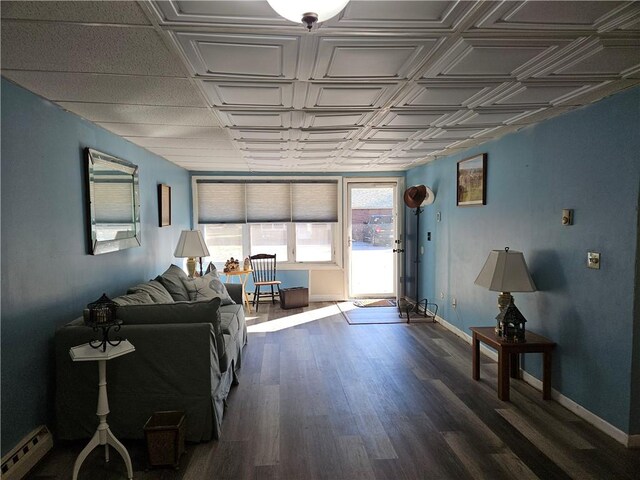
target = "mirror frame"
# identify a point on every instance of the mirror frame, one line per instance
(97, 247)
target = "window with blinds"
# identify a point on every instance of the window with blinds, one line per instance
(245, 217)
(312, 201)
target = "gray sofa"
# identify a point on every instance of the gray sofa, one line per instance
(186, 357)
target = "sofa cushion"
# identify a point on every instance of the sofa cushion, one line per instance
(207, 287)
(155, 289)
(133, 299)
(177, 312)
(180, 312)
(230, 318)
(172, 280)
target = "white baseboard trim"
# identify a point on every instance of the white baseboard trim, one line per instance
(326, 298)
(634, 441)
(489, 352)
(630, 441)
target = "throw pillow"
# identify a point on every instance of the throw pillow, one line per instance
(155, 289)
(208, 286)
(133, 299)
(172, 280)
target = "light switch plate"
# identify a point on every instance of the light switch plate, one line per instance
(593, 260)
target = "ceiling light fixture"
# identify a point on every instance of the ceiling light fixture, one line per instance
(308, 12)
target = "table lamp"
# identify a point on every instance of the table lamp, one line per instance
(191, 245)
(505, 271)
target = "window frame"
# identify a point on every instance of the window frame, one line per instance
(337, 247)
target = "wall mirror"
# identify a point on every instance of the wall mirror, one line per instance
(114, 203)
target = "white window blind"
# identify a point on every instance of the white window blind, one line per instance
(268, 202)
(113, 202)
(314, 202)
(276, 201)
(221, 202)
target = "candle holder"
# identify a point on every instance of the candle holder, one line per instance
(102, 317)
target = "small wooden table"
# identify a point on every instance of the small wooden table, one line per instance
(509, 358)
(243, 275)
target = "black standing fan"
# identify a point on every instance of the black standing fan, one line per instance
(417, 197)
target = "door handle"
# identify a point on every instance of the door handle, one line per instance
(398, 250)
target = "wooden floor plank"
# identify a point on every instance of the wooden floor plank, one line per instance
(552, 449)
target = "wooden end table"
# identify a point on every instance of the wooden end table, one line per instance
(509, 358)
(242, 275)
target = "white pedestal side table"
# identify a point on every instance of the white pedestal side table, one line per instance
(103, 435)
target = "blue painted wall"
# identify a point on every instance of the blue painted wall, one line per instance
(47, 274)
(587, 160)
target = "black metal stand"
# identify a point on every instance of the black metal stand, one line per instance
(406, 306)
(105, 335)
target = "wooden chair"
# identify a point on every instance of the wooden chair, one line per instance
(264, 274)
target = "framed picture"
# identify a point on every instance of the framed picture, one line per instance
(164, 205)
(472, 181)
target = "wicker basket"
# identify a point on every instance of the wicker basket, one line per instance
(296, 297)
(165, 432)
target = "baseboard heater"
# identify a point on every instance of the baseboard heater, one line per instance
(19, 461)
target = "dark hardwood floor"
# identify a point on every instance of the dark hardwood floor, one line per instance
(321, 399)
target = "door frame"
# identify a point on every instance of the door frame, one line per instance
(399, 225)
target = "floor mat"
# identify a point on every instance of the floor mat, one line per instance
(385, 302)
(369, 316)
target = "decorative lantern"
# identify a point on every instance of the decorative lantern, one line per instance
(511, 324)
(101, 312)
(102, 315)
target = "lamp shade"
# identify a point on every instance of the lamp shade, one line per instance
(294, 10)
(191, 244)
(506, 271)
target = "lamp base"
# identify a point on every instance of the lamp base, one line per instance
(191, 267)
(504, 299)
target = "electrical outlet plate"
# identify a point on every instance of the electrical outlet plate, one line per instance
(593, 260)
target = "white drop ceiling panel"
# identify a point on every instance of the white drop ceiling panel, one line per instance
(263, 146)
(423, 15)
(256, 119)
(540, 95)
(480, 58)
(108, 113)
(606, 59)
(327, 135)
(319, 119)
(553, 15)
(370, 58)
(320, 146)
(61, 47)
(383, 86)
(127, 89)
(260, 134)
(419, 119)
(426, 95)
(392, 134)
(150, 130)
(355, 95)
(230, 12)
(244, 94)
(248, 56)
(219, 152)
(210, 142)
(127, 13)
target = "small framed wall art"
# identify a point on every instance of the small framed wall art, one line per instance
(472, 181)
(164, 205)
